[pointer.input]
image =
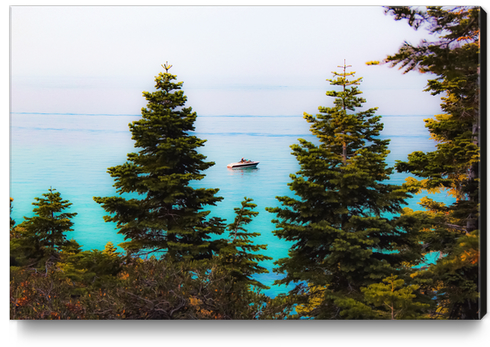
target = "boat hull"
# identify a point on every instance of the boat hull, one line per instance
(242, 165)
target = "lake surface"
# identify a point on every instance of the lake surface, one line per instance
(71, 153)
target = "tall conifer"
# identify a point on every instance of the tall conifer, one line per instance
(339, 223)
(169, 214)
(453, 57)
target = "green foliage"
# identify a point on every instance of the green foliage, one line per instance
(12, 221)
(454, 279)
(240, 255)
(87, 269)
(390, 298)
(39, 239)
(394, 300)
(169, 215)
(342, 238)
(457, 29)
(454, 58)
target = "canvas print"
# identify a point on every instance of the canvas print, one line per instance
(247, 163)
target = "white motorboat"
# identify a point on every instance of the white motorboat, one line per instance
(243, 164)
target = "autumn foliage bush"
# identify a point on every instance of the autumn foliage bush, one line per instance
(143, 289)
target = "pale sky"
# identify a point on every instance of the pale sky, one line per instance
(238, 60)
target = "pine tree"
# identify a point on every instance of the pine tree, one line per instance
(43, 235)
(343, 238)
(12, 221)
(455, 164)
(170, 214)
(394, 300)
(240, 255)
(92, 268)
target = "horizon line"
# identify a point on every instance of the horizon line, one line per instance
(206, 115)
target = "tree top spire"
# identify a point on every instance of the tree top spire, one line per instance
(345, 67)
(342, 76)
(166, 66)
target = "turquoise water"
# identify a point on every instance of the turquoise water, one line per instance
(71, 153)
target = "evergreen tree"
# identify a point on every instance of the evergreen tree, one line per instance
(454, 57)
(169, 214)
(13, 236)
(240, 254)
(92, 268)
(43, 235)
(343, 238)
(390, 299)
(12, 221)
